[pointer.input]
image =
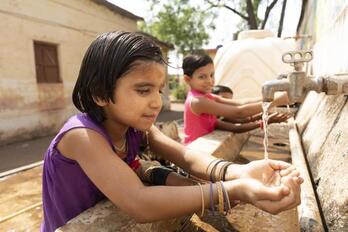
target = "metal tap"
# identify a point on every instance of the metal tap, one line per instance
(297, 83)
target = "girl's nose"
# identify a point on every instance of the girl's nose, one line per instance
(156, 101)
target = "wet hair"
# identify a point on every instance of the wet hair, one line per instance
(109, 57)
(217, 89)
(195, 61)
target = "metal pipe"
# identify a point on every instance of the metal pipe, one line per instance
(312, 83)
(335, 84)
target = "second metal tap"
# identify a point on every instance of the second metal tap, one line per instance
(297, 83)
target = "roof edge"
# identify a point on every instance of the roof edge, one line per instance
(117, 9)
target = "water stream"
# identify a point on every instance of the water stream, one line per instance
(265, 106)
(265, 117)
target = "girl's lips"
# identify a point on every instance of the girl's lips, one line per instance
(150, 117)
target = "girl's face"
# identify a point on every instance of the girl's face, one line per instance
(137, 97)
(202, 79)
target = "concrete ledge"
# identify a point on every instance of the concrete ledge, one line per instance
(221, 144)
(308, 210)
(107, 217)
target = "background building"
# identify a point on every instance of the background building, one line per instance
(42, 45)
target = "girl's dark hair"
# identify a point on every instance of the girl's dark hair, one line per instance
(193, 62)
(221, 89)
(109, 57)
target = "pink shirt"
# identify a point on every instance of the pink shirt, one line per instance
(196, 125)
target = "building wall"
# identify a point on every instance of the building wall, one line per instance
(322, 120)
(29, 109)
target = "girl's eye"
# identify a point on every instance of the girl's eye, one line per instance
(143, 91)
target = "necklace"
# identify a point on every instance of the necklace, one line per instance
(122, 147)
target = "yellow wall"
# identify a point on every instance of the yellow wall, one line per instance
(28, 109)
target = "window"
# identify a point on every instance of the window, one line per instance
(46, 62)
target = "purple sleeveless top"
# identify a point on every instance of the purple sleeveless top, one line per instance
(66, 189)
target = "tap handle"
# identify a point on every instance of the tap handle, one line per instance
(295, 57)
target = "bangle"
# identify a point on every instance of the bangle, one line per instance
(225, 171)
(202, 195)
(211, 197)
(221, 197)
(227, 200)
(261, 124)
(222, 170)
(207, 170)
(212, 172)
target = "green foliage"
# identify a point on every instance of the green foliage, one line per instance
(177, 89)
(173, 82)
(179, 92)
(181, 24)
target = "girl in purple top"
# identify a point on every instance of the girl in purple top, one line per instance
(118, 92)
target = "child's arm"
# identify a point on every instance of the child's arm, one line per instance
(280, 98)
(262, 171)
(190, 161)
(237, 128)
(237, 102)
(273, 118)
(120, 184)
(252, 118)
(201, 105)
(197, 164)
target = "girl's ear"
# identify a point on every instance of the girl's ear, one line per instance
(187, 78)
(99, 101)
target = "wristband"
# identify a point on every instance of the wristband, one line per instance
(159, 175)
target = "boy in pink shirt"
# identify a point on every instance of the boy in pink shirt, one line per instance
(202, 107)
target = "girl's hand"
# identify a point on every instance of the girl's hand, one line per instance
(269, 172)
(272, 199)
(278, 118)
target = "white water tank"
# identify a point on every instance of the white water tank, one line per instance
(245, 64)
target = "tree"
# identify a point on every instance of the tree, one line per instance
(248, 11)
(181, 24)
(303, 10)
(281, 21)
